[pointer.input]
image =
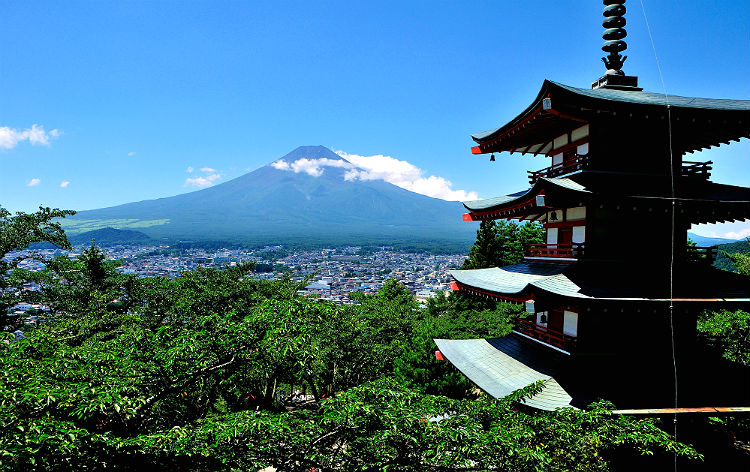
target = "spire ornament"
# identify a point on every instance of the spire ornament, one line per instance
(614, 22)
(614, 33)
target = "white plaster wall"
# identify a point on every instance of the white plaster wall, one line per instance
(576, 213)
(551, 235)
(579, 133)
(583, 149)
(560, 141)
(579, 234)
(570, 323)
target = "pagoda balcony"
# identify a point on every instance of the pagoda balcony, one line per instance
(706, 255)
(541, 333)
(578, 162)
(696, 170)
(568, 251)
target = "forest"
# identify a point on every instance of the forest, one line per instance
(218, 371)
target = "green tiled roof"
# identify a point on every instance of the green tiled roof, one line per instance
(489, 203)
(598, 282)
(510, 279)
(658, 99)
(500, 366)
(721, 120)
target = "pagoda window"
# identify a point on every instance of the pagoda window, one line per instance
(579, 235)
(551, 235)
(570, 323)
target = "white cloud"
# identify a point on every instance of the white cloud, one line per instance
(212, 175)
(741, 234)
(64, 184)
(312, 167)
(131, 154)
(735, 230)
(403, 174)
(33, 183)
(36, 135)
(380, 167)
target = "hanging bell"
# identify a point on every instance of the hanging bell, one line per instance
(492, 157)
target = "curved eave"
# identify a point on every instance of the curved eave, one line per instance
(535, 280)
(500, 366)
(541, 196)
(697, 123)
(522, 133)
(513, 283)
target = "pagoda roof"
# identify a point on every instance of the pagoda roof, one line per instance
(707, 201)
(500, 366)
(697, 123)
(604, 282)
(514, 281)
(534, 201)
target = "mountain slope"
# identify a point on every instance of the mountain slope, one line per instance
(273, 205)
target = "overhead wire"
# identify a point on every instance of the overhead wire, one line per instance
(673, 197)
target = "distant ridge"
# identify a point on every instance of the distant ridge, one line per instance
(272, 205)
(708, 241)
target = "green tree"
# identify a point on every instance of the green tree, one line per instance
(87, 284)
(18, 232)
(502, 243)
(741, 260)
(190, 379)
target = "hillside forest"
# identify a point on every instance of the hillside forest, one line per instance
(218, 371)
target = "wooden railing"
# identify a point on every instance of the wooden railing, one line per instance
(578, 162)
(702, 254)
(574, 250)
(701, 170)
(564, 341)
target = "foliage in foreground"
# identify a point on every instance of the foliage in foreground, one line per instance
(156, 389)
(192, 374)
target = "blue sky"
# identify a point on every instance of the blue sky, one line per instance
(121, 99)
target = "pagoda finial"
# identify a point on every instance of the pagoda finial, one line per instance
(614, 22)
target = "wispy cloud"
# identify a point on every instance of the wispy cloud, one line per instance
(33, 182)
(131, 154)
(741, 234)
(381, 167)
(312, 167)
(208, 179)
(36, 135)
(64, 184)
(202, 181)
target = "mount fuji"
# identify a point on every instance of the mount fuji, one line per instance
(282, 204)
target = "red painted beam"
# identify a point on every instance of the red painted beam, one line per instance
(476, 150)
(439, 356)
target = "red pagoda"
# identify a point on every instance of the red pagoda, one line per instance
(611, 314)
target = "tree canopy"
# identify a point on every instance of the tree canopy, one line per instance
(218, 371)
